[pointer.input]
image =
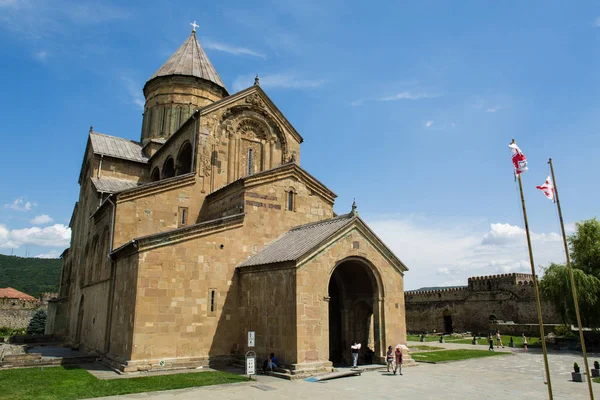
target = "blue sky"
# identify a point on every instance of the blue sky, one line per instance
(406, 106)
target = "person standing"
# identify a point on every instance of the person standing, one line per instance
(499, 340)
(355, 348)
(524, 342)
(389, 358)
(491, 342)
(398, 366)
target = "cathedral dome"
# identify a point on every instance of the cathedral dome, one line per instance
(190, 60)
(186, 82)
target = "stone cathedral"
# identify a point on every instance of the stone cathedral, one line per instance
(208, 228)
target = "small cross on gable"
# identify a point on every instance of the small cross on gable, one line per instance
(194, 26)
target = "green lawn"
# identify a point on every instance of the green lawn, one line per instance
(597, 380)
(422, 347)
(533, 342)
(64, 383)
(454, 355)
(417, 338)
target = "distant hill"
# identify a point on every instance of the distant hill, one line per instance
(30, 275)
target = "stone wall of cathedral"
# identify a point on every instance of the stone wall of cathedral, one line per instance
(313, 297)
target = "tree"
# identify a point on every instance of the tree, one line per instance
(556, 287)
(37, 325)
(585, 260)
(585, 247)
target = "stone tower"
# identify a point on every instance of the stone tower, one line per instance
(186, 82)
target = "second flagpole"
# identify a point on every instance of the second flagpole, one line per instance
(573, 288)
(535, 285)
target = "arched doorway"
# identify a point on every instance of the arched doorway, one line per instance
(155, 176)
(447, 321)
(168, 168)
(354, 295)
(184, 160)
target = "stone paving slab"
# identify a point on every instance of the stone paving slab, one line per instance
(517, 377)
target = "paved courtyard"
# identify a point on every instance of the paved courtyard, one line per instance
(516, 376)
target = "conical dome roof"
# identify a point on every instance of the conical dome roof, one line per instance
(190, 60)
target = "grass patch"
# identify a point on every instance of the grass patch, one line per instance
(532, 342)
(417, 338)
(70, 383)
(597, 380)
(423, 347)
(454, 355)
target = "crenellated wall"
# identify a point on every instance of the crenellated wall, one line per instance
(507, 297)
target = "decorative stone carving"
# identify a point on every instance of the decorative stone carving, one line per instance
(252, 128)
(255, 100)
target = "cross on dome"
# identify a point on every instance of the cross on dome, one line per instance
(194, 26)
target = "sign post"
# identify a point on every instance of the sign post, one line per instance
(251, 355)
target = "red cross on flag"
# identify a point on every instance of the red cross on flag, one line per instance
(547, 188)
(518, 158)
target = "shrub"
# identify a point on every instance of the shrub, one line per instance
(37, 325)
(6, 331)
(564, 331)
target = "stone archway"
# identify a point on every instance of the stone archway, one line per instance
(354, 294)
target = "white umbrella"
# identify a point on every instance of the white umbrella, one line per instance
(402, 347)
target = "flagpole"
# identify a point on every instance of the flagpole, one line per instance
(573, 288)
(535, 285)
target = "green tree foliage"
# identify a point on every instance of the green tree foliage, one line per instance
(585, 247)
(585, 259)
(30, 275)
(37, 325)
(556, 287)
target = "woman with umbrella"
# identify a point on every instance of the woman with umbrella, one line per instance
(398, 356)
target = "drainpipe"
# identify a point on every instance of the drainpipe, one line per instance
(196, 133)
(98, 176)
(100, 166)
(112, 278)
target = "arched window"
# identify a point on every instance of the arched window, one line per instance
(250, 156)
(155, 176)
(290, 201)
(168, 168)
(184, 159)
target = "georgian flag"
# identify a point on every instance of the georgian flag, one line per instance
(518, 158)
(548, 188)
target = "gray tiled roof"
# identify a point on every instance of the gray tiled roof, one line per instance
(117, 147)
(107, 184)
(298, 241)
(190, 59)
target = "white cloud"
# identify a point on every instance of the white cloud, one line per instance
(441, 253)
(493, 109)
(136, 95)
(57, 235)
(43, 19)
(41, 220)
(597, 22)
(41, 55)
(50, 254)
(20, 204)
(277, 80)
(9, 3)
(428, 124)
(408, 96)
(227, 48)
